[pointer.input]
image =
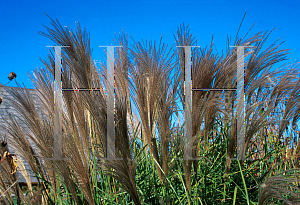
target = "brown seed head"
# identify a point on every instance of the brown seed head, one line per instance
(12, 76)
(3, 144)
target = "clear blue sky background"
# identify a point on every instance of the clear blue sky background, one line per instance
(22, 20)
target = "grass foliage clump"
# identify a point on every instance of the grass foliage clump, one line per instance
(149, 89)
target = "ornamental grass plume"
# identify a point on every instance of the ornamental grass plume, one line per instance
(150, 78)
(8, 174)
(282, 186)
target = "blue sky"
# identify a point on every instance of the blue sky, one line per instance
(22, 20)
